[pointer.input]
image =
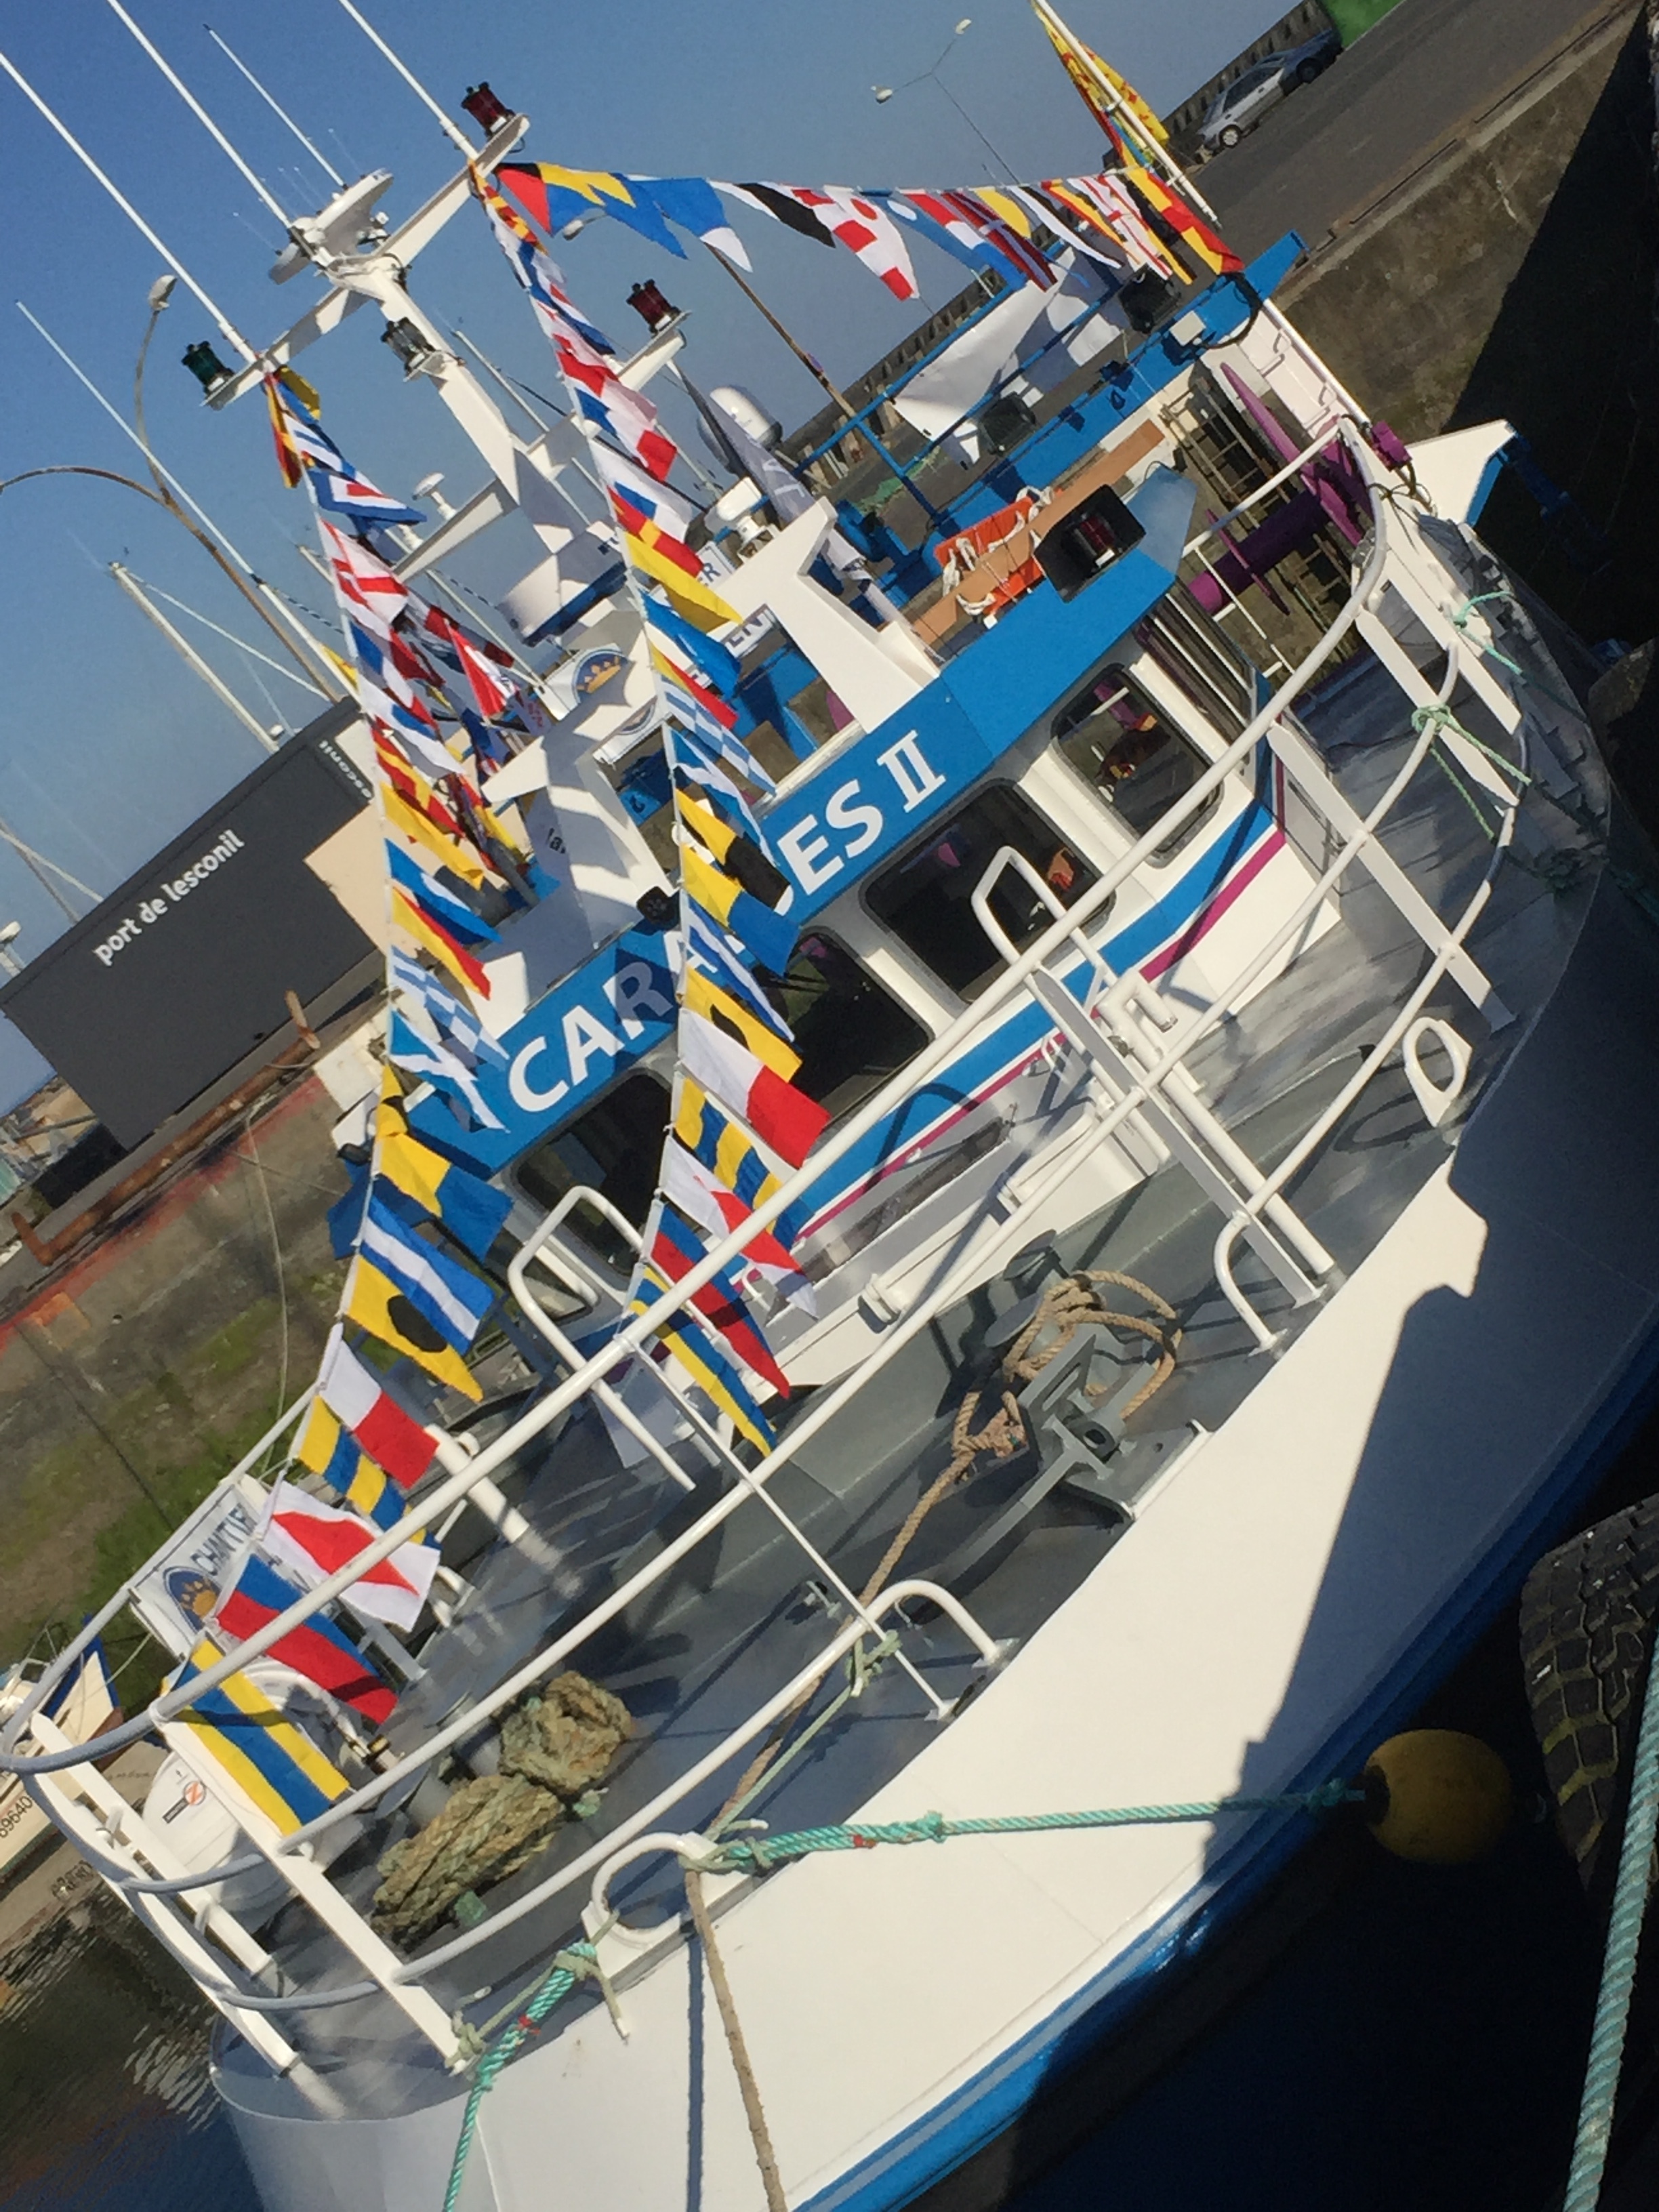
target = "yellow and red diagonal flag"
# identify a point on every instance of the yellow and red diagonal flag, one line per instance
(1086, 70)
(1133, 132)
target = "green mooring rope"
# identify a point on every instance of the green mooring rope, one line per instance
(1630, 1898)
(753, 1854)
(756, 1854)
(569, 1967)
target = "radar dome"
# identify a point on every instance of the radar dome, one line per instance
(747, 413)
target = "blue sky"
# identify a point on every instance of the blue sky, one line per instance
(108, 746)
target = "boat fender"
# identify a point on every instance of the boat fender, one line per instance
(1438, 1796)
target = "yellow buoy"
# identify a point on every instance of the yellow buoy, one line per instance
(1438, 1796)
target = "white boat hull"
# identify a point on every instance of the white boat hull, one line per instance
(1289, 1594)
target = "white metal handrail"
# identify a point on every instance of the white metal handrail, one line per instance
(1327, 438)
(1003, 989)
(991, 1656)
(1017, 975)
(712, 1442)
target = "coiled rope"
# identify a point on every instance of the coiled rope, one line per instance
(1072, 1303)
(1066, 1306)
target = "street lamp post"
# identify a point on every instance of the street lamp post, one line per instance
(886, 92)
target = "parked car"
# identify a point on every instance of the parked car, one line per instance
(1247, 98)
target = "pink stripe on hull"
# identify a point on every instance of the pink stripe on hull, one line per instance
(1158, 964)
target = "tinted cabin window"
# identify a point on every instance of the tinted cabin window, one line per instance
(925, 899)
(851, 1034)
(614, 1148)
(1132, 755)
(1199, 657)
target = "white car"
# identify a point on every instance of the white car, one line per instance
(1247, 99)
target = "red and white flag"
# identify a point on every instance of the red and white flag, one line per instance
(314, 1540)
(779, 1116)
(366, 588)
(491, 686)
(865, 229)
(688, 1184)
(393, 1439)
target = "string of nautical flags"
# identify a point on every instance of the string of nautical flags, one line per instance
(444, 708)
(734, 1097)
(1126, 220)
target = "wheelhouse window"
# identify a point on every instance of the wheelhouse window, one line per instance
(1197, 654)
(926, 897)
(613, 1148)
(1131, 756)
(851, 1033)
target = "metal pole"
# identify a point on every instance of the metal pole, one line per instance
(199, 111)
(1114, 99)
(187, 653)
(228, 330)
(38, 864)
(276, 667)
(326, 167)
(411, 80)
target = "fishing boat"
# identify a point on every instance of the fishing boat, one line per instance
(1011, 1185)
(81, 1705)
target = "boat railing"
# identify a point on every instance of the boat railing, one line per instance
(1332, 434)
(1139, 1052)
(178, 1906)
(1004, 989)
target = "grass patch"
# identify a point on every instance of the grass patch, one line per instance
(77, 1523)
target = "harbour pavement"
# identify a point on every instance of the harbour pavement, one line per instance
(1414, 81)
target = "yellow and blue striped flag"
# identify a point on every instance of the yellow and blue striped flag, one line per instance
(712, 1372)
(271, 1760)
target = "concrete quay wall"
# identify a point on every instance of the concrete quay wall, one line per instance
(1512, 273)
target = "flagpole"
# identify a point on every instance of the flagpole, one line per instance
(862, 429)
(799, 351)
(1114, 99)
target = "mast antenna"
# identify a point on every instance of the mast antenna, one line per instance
(323, 163)
(200, 112)
(410, 78)
(133, 588)
(228, 330)
(321, 674)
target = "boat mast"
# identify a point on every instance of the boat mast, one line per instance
(192, 659)
(321, 674)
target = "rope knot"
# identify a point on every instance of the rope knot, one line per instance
(931, 1828)
(1329, 1794)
